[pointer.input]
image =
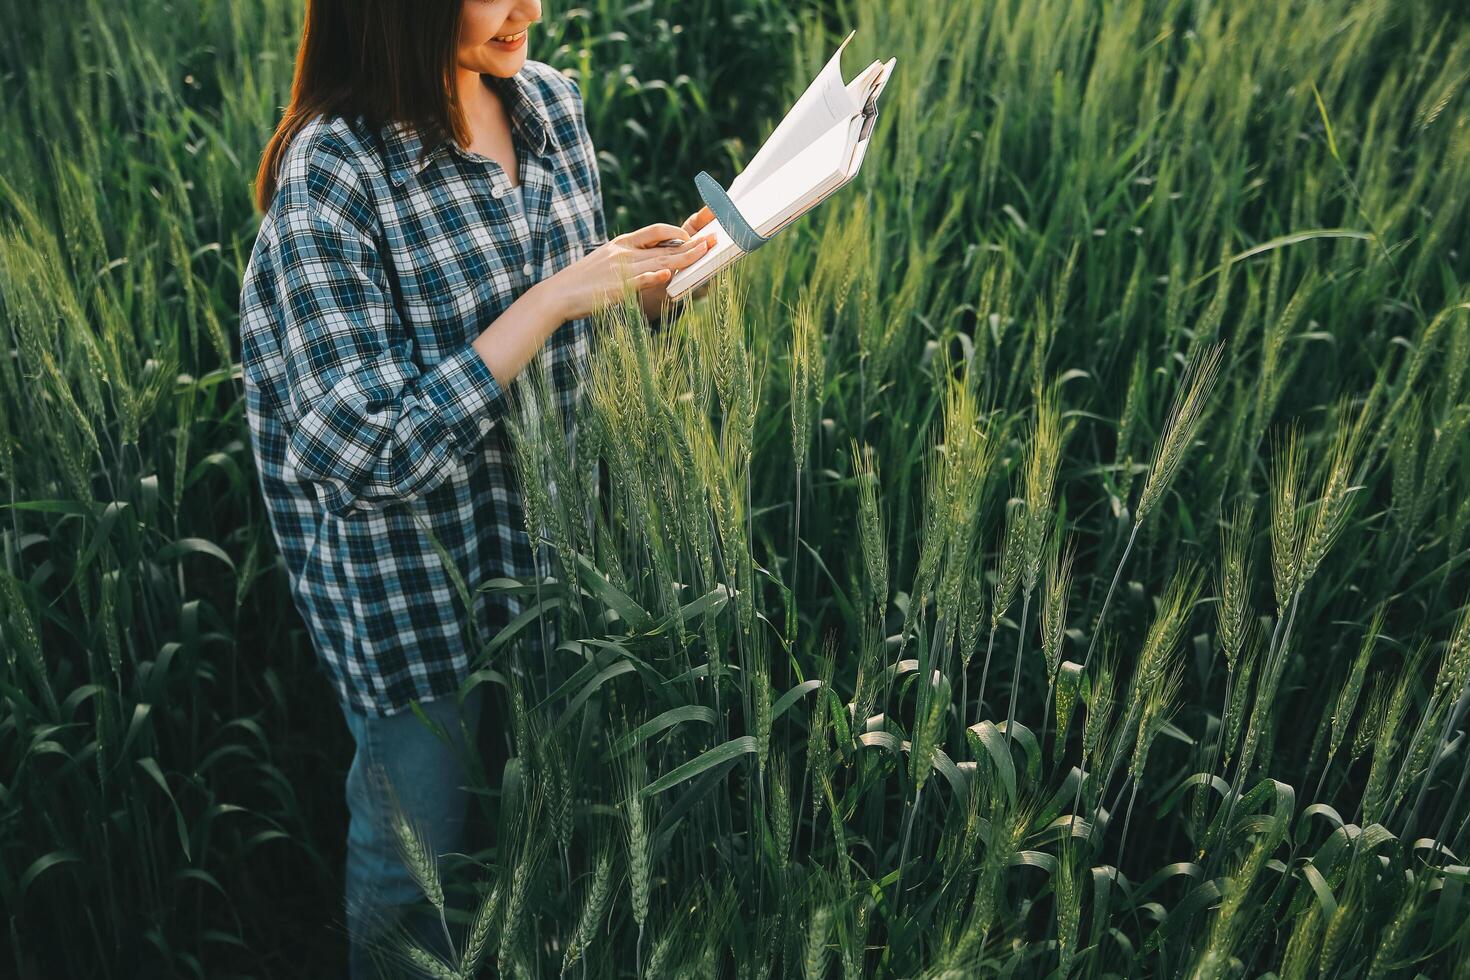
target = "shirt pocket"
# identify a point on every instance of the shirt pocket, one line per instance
(456, 286)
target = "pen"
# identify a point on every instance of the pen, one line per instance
(666, 242)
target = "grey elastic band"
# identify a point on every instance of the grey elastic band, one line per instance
(729, 216)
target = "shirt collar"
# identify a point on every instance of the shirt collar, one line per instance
(407, 154)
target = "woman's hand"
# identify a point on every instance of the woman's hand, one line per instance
(655, 298)
(597, 279)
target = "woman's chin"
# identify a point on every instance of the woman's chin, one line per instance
(506, 63)
(501, 63)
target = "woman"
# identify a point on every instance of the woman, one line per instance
(432, 218)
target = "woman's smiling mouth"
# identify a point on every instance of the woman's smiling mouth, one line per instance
(509, 42)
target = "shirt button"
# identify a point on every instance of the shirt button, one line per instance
(526, 268)
(498, 191)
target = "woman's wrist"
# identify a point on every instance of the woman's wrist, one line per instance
(508, 344)
(549, 300)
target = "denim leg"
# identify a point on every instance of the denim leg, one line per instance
(399, 756)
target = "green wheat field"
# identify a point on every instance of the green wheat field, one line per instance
(1046, 559)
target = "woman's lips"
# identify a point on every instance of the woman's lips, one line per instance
(511, 41)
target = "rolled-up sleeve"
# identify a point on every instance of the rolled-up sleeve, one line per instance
(372, 426)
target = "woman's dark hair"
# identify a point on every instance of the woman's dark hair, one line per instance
(384, 60)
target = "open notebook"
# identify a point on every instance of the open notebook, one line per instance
(816, 149)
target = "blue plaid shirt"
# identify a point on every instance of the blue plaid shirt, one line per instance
(372, 418)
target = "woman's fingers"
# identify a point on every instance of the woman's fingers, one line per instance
(650, 235)
(646, 264)
(679, 256)
(688, 256)
(698, 220)
(652, 278)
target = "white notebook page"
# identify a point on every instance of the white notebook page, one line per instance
(798, 165)
(825, 102)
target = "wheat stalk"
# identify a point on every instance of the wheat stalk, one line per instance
(1007, 577)
(632, 773)
(593, 908)
(1053, 628)
(1347, 698)
(814, 964)
(1233, 612)
(478, 938)
(1185, 414)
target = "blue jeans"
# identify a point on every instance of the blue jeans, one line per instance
(400, 757)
